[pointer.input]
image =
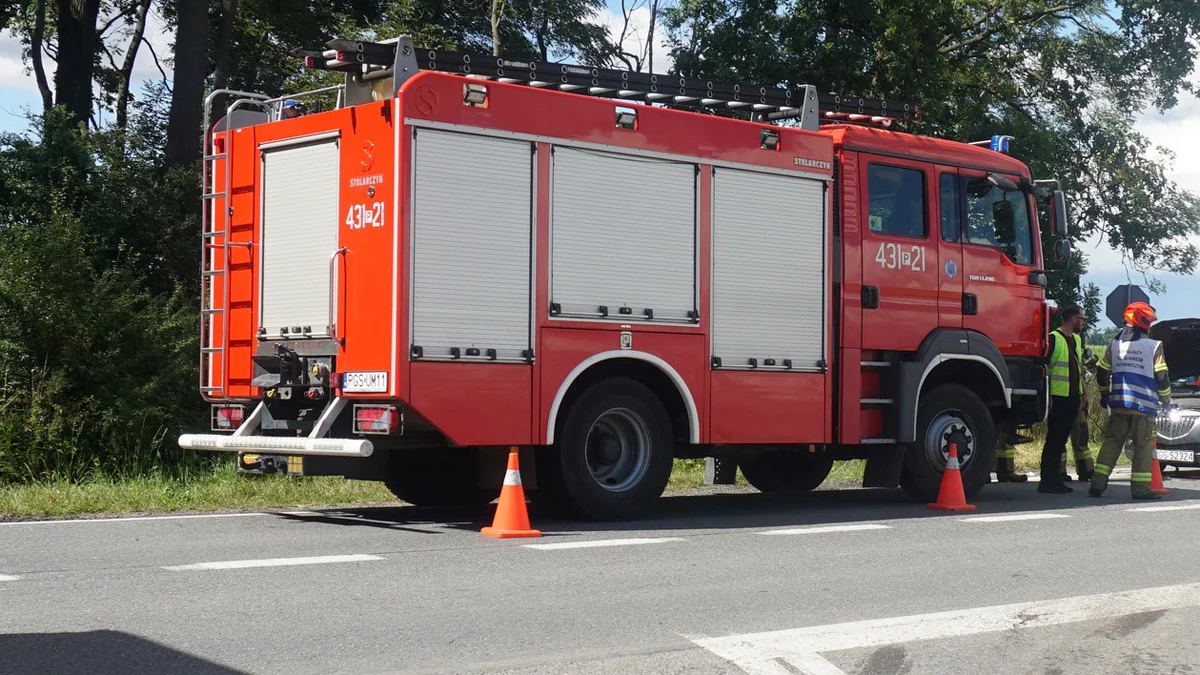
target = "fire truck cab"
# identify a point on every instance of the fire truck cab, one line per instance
(465, 254)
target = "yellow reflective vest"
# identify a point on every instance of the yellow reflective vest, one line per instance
(1060, 364)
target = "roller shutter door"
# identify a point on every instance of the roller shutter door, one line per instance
(623, 236)
(768, 277)
(472, 221)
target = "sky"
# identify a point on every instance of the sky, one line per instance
(1178, 131)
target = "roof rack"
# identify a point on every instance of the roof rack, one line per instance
(398, 59)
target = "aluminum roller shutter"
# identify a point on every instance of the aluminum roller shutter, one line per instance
(299, 233)
(471, 249)
(623, 234)
(768, 276)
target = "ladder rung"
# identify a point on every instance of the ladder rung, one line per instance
(877, 441)
(206, 389)
(212, 195)
(211, 350)
(876, 364)
(219, 155)
(876, 401)
(212, 273)
(214, 233)
(212, 311)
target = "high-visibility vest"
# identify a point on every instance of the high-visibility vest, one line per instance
(1133, 382)
(1060, 365)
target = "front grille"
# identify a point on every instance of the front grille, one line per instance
(1176, 426)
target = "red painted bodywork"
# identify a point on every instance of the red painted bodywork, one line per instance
(494, 404)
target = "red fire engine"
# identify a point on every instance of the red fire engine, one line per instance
(465, 253)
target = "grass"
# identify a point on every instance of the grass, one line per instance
(219, 488)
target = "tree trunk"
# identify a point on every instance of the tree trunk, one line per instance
(187, 97)
(650, 37)
(497, 16)
(35, 55)
(135, 42)
(224, 43)
(77, 41)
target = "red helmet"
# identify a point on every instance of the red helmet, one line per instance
(1140, 314)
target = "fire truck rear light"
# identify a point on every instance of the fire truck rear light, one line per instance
(227, 417)
(376, 419)
(627, 118)
(770, 139)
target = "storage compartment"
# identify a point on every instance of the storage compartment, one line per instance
(623, 237)
(472, 220)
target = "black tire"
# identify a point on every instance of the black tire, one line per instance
(613, 456)
(786, 470)
(441, 478)
(950, 413)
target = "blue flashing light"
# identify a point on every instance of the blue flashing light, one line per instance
(1000, 143)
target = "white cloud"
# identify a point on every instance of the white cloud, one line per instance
(13, 72)
(636, 31)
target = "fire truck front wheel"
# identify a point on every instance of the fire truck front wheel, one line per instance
(949, 414)
(614, 455)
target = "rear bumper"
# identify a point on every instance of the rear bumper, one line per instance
(329, 447)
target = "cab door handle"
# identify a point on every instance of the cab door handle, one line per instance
(970, 304)
(870, 297)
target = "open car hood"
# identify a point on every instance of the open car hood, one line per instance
(1181, 346)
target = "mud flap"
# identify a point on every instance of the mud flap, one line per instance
(883, 467)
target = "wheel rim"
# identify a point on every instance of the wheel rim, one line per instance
(949, 427)
(618, 450)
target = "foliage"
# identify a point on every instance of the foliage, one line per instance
(97, 321)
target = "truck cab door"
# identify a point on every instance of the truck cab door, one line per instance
(950, 249)
(1001, 298)
(899, 262)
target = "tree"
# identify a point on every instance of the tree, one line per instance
(77, 47)
(191, 68)
(1065, 77)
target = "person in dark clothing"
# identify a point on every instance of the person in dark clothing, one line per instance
(1066, 395)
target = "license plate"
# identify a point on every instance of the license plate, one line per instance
(1175, 456)
(365, 382)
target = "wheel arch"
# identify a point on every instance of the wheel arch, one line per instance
(946, 356)
(650, 370)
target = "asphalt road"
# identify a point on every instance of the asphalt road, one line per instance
(848, 581)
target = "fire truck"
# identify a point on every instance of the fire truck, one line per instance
(609, 270)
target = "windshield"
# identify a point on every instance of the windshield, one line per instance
(998, 219)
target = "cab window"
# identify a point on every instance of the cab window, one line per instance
(998, 219)
(896, 200)
(950, 216)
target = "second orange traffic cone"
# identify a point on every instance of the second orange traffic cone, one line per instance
(512, 518)
(1156, 481)
(951, 496)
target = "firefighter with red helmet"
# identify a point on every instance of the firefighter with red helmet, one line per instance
(1135, 386)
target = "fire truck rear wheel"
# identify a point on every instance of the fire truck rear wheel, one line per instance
(615, 453)
(949, 414)
(786, 470)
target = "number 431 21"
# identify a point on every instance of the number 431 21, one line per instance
(360, 216)
(896, 256)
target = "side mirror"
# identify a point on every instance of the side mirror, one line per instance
(1058, 214)
(1062, 250)
(1003, 183)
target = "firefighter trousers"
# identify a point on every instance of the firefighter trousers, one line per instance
(1064, 410)
(1124, 426)
(1079, 448)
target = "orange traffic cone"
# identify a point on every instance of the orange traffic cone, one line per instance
(1156, 481)
(512, 520)
(951, 496)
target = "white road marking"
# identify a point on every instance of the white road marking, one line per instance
(828, 528)
(1182, 506)
(787, 652)
(273, 562)
(1019, 516)
(5, 577)
(131, 519)
(601, 542)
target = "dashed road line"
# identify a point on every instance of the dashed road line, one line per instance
(1182, 506)
(786, 652)
(131, 519)
(7, 577)
(273, 562)
(1019, 516)
(601, 542)
(827, 528)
